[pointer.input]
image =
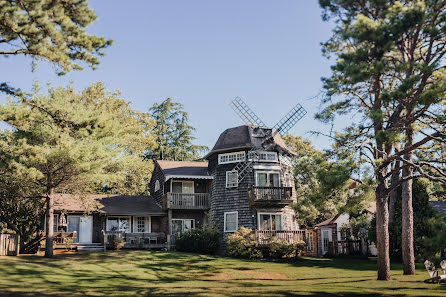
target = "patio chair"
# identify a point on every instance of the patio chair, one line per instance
(443, 266)
(433, 273)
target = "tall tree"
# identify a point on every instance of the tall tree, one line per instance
(53, 31)
(70, 141)
(390, 73)
(173, 133)
(322, 181)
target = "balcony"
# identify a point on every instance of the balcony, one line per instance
(186, 201)
(270, 195)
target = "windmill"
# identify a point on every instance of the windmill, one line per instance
(282, 127)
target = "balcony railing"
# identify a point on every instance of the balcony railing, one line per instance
(264, 236)
(136, 240)
(186, 201)
(270, 194)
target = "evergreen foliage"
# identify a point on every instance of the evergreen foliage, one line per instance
(53, 31)
(173, 133)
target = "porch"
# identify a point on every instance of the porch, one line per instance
(194, 201)
(292, 236)
(142, 240)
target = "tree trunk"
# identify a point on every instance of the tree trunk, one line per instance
(394, 194)
(407, 243)
(382, 232)
(49, 225)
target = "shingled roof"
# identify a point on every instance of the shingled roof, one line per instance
(108, 204)
(184, 169)
(246, 137)
(439, 206)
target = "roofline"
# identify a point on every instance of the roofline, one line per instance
(169, 176)
(227, 150)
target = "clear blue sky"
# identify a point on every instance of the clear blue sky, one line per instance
(203, 54)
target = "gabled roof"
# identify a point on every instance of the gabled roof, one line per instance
(108, 204)
(439, 206)
(328, 222)
(184, 169)
(246, 137)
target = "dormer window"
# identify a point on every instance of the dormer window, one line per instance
(264, 157)
(231, 158)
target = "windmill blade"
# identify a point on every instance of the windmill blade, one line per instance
(288, 121)
(245, 113)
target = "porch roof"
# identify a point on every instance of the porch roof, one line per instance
(108, 204)
(184, 169)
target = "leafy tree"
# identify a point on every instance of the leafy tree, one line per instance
(173, 133)
(70, 142)
(389, 72)
(53, 31)
(322, 182)
(21, 209)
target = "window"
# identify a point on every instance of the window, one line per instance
(183, 187)
(231, 157)
(231, 179)
(287, 179)
(157, 185)
(270, 221)
(231, 221)
(141, 224)
(55, 222)
(118, 224)
(268, 178)
(182, 225)
(265, 156)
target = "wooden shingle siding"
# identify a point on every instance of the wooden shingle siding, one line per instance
(157, 175)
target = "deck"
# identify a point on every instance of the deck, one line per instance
(270, 195)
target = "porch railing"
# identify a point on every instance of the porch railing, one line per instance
(281, 194)
(136, 240)
(264, 236)
(186, 201)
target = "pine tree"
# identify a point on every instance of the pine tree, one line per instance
(71, 142)
(390, 73)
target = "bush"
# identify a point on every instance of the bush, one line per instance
(242, 244)
(116, 243)
(202, 241)
(278, 249)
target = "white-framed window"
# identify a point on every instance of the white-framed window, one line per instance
(310, 241)
(157, 186)
(56, 223)
(265, 156)
(118, 224)
(270, 221)
(142, 224)
(231, 179)
(287, 179)
(231, 157)
(267, 178)
(183, 186)
(231, 221)
(182, 225)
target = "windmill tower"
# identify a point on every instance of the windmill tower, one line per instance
(253, 180)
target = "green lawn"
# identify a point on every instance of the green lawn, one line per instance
(142, 273)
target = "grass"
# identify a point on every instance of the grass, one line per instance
(143, 273)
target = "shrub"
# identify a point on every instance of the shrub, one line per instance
(278, 249)
(242, 244)
(202, 241)
(116, 243)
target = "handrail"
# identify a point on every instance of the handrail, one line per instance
(186, 201)
(258, 193)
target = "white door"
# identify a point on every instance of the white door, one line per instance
(326, 238)
(85, 230)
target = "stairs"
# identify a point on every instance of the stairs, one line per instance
(89, 247)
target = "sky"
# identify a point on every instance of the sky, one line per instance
(203, 54)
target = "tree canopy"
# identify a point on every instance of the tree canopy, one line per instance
(173, 133)
(53, 31)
